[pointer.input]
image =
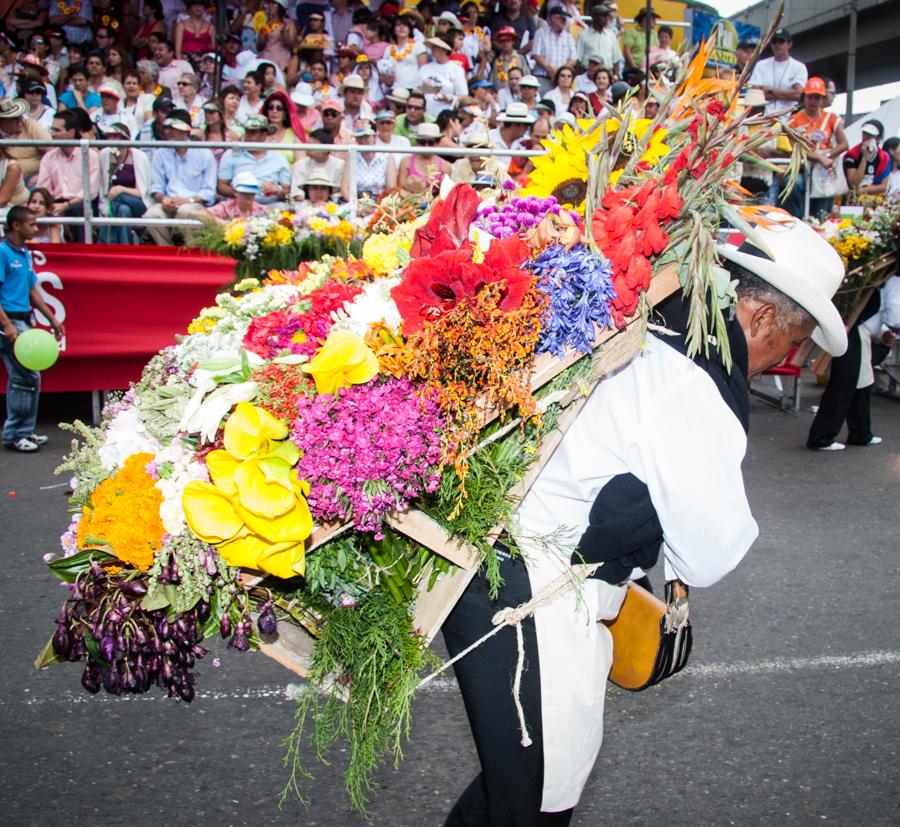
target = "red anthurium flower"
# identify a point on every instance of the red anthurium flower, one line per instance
(448, 226)
(434, 285)
(501, 263)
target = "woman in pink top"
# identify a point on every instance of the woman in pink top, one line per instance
(195, 36)
(278, 36)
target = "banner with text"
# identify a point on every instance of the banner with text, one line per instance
(120, 306)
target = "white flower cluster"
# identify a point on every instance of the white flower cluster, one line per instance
(126, 434)
(373, 306)
(176, 469)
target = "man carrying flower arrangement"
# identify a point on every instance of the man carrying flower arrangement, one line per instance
(652, 463)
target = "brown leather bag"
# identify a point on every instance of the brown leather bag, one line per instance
(651, 640)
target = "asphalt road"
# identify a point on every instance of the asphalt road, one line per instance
(789, 713)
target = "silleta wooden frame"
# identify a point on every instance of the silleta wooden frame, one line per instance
(292, 646)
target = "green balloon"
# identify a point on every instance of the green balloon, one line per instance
(36, 349)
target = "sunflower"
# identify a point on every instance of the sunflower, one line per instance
(563, 171)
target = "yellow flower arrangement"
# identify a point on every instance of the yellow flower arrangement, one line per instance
(131, 491)
(563, 172)
(207, 320)
(278, 236)
(381, 252)
(323, 227)
(851, 248)
(254, 510)
(345, 359)
(234, 231)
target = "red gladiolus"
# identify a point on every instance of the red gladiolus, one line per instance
(716, 109)
(699, 169)
(653, 240)
(638, 274)
(670, 204)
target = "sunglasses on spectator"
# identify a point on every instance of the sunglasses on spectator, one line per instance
(275, 107)
(183, 83)
(779, 40)
(414, 106)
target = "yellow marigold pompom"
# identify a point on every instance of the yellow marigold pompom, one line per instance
(123, 517)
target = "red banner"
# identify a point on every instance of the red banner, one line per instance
(120, 306)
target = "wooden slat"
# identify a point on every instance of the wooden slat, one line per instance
(423, 529)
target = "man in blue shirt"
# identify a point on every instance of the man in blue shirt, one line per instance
(182, 180)
(18, 295)
(268, 165)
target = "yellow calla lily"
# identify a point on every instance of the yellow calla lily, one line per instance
(345, 359)
(264, 487)
(254, 510)
(284, 560)
(210, 512)
(221, 466)
(250, 431)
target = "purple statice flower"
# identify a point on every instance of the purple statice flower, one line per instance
(368, 450)
(579, 284)
(518, 215)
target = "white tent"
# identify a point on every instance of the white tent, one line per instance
(888, 113)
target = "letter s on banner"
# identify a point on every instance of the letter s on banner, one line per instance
(47, 279)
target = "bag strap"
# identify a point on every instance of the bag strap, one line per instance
(678, 609)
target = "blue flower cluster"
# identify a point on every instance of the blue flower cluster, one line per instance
(579, 284)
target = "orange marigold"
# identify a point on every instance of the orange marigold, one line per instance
(124, 512)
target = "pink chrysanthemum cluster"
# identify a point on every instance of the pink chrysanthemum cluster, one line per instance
(368, 450)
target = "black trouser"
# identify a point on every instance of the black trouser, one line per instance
(508, 790)
(842, 400)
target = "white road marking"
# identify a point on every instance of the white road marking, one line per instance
(292, 691)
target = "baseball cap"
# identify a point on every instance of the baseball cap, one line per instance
(163, 103)
(179, 119)
(505, 33)
(871, 128)
(385, 115)
(782, 34)
(334, 105)
(109, 89)
(815, 86)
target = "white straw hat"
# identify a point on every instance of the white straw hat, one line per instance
(803, 266)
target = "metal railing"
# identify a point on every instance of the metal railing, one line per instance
(89, 221)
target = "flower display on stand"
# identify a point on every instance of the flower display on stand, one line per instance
(281, 452)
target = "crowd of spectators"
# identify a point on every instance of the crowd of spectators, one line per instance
(278, 73)
(438, 75)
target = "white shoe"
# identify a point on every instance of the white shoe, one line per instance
(835, 446)
(39, 439)
(875, 440)
(22, 446)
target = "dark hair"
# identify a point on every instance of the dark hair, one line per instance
(256, 76)
(131, 73)
(154, 6)
(875, 122)
(167, 43)
(746, 44)
(286, 104)
(97, 53)
(322, 136)
(890, 144)
(69, 119)
(444, 117)
(633, 77)
(362, 16)
(18, 215)
(665, 30)
(231, 89)
(83, 122)
(549, 104)
(79, 69)
(44, 193)
(261, 68)
(560, 71)
(417, 95)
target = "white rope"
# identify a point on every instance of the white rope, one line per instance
(570, 579)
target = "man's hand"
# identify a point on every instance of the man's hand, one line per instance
(169, 206)
(824, 159)
(268, 188)
(59, 329)
(59, 207)
(9, 330)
